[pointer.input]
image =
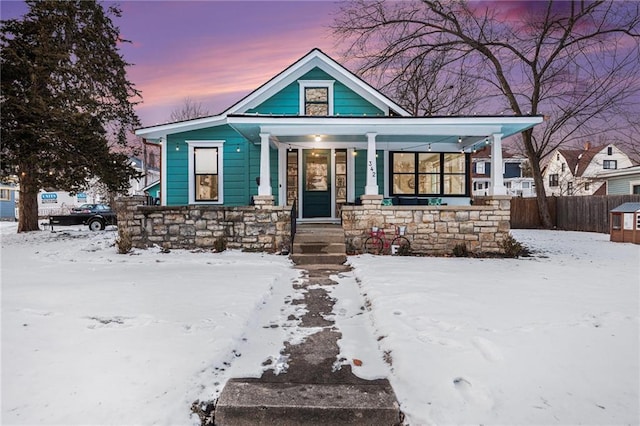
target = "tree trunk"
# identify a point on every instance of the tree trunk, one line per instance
(536, 172)
(28, 206)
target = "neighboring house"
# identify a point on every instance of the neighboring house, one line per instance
(514, 167)
(319, 136)
(622, 181)
(150, 175)
(8, 201)
(575, 171)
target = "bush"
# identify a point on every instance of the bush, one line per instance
(220, 244)
(512, 248)
(124, 241)
(461, 250)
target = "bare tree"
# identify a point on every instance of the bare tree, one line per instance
(577, 63)
(189, 110)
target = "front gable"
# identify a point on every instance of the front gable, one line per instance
(343, 100)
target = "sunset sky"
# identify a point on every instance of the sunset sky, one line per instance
(216, 52)
(212, 51)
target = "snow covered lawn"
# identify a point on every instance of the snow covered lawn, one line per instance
(93, 337)
(551, 339)
(90, 336)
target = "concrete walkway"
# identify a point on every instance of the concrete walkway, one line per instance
(311, 391)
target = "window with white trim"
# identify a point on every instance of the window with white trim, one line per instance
(205, 171)
(610, 164)
(316, 97)
(5, 195)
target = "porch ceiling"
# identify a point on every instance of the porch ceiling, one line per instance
(443, 133)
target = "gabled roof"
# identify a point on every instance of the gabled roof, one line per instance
(315, 58)
(579, 159)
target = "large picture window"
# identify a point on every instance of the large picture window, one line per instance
(205, 171)
(426, 173)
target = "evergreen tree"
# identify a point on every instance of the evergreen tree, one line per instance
(66, 104)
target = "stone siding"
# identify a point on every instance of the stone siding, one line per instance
(433, 230)
(261, 227)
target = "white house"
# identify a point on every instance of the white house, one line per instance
(514, 168)
(576, 171)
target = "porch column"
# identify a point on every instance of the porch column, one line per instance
(371, 187)
(497, 181)
(265, 166)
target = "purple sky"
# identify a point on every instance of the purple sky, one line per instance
(212, 51)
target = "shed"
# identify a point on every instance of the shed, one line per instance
(625, 223)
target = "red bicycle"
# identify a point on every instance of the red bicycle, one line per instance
(378, 243)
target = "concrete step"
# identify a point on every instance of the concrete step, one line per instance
(329, 237)
(249, 402)
(319, 248)
(316, 258)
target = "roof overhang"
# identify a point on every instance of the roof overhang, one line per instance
(447, 133)
(154, 133)
(633, 170)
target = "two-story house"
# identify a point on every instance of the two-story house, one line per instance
(575, 171)
(514, 172)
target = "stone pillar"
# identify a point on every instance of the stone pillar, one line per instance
(262, 201)
(497, 181)
(265, 166)
(371, 187)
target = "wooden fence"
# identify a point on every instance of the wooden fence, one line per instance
(585, 213)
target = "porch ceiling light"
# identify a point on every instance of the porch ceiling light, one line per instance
(318, 138)
(459, 139)
(486, 140)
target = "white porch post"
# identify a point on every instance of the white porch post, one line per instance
(371, 187)
(497, 181)
(265, 166)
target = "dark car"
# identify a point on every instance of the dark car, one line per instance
(96, 216)
(91, 208)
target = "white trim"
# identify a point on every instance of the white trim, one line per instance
(163, 170)
(282, 175)
(205, 144)
(304, 84)
(265, 165)
(351, 176)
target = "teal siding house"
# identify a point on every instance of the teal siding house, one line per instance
(319, 137)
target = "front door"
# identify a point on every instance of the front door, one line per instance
(316, 183)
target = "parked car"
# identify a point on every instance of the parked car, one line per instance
(96, 216)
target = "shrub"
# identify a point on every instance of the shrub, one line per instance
(461, 250)
(220, 244)
(512, 248)
(124, 241)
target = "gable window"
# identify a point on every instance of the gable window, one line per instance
(553, 180)
(610, 164)
(316, 97)
(421, 173)
(609, 150)
(563, 167)
(316, 101)
(205, 171)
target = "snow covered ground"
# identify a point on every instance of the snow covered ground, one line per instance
(93, 337)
